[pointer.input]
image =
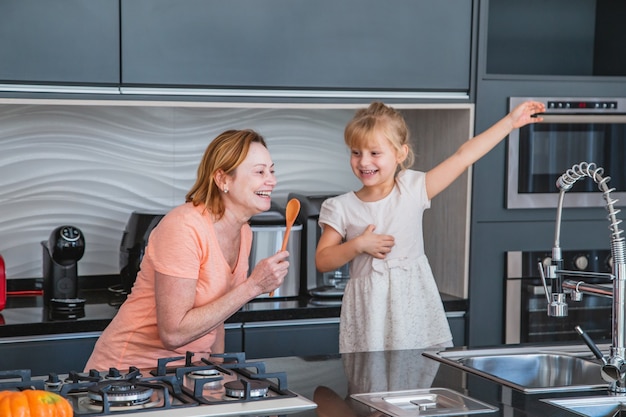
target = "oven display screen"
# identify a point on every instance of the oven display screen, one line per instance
(547, 150)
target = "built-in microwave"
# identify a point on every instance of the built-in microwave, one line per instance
(573, 130)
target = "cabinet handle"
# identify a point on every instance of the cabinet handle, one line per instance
(285, 93)
(277, 323)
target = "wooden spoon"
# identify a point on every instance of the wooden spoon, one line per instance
(291, 212)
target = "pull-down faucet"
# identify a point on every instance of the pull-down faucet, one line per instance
(614, 367)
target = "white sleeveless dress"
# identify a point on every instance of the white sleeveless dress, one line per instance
(391, 303)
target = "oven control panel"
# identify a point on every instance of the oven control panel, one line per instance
(581, 105)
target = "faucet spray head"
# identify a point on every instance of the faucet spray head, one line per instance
(558, 305)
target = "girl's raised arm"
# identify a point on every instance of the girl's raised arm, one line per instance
(441, 176)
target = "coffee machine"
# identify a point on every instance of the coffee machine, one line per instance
(325, 288)
(61, 253)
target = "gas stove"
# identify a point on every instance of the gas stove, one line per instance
(223, 385)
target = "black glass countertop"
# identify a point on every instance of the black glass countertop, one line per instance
(330, 381)
(27, 315)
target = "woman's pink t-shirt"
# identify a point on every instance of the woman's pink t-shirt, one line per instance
(182, 245)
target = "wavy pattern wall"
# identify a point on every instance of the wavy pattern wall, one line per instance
(92, 165)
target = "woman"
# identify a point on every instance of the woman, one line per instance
(194, 274)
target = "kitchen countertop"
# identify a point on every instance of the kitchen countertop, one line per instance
(330, 380)
(327, 380)
(25, 315)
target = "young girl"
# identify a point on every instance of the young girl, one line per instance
(391, 301)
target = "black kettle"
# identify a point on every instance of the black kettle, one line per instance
(133, 245)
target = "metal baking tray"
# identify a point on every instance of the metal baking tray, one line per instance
(424, 402)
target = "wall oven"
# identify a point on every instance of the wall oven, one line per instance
(574, 130)
(526, 318)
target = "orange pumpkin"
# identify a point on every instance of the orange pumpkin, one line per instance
(34, 403)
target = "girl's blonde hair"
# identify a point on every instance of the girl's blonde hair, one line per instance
(379, 117)
(226, 152)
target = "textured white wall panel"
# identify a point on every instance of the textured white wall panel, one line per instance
(91, 166)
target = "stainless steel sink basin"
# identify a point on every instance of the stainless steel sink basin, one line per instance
(531, 369)
(438, 402)
(601, 406)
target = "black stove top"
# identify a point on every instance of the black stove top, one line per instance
(224, 384)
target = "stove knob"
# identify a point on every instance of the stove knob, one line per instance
(581, 262)
(114, 373)
(72, 377)
(53, 383)
(133, 372)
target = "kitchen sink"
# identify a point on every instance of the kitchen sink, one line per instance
(441, 402)
(600, 406)
(530, 369)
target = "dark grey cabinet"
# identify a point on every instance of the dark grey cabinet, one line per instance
(322, 44)
(60, 41)
(70, 352)
(233, 339)
(567, 38)
(313, 337)
(457, 322)
(47, 353)
(291, 338)
(397, 45)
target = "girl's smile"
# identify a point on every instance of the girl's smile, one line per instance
(375, 161)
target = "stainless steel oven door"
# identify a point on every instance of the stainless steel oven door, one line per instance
(526, 318)
(573, 131)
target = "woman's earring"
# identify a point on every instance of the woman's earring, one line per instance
(225, 190)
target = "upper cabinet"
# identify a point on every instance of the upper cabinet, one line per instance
(404, 45)
(59, 42)
(392, 46)
(556, 38)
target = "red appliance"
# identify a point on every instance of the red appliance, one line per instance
(223, 385)
(3, 284)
